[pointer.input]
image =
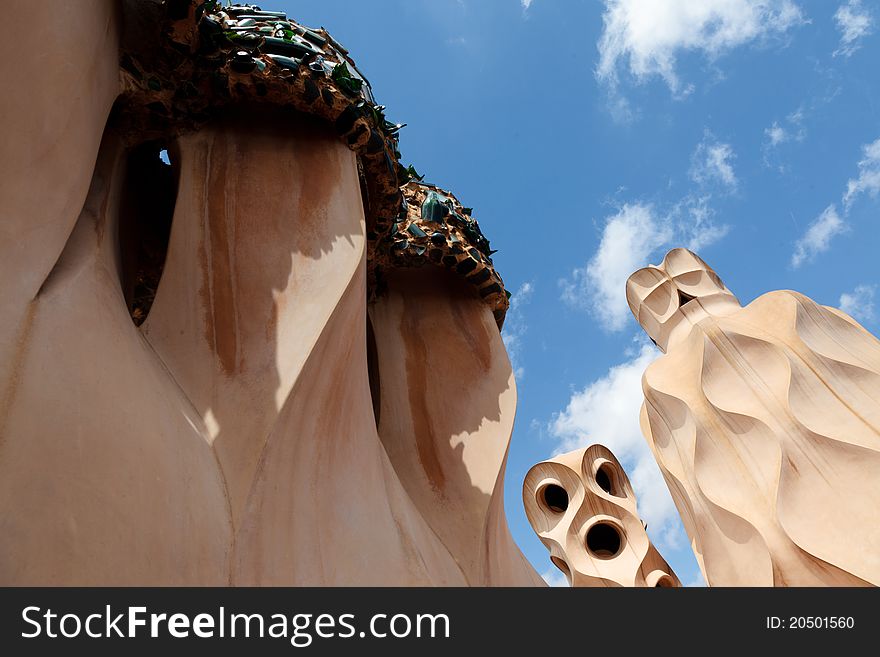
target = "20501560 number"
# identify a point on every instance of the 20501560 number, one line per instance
(821, 622)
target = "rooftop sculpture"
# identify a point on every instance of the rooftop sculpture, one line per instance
(189, 395)
(583, 509)
(242, 344)
(765, 421)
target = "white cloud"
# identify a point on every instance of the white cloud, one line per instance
(695, 226)
(796, 118)
(818, 236)
(776, 134)
(859, 304)
(656, 507)
(515, 328)
(868, 181)
(554, 578)
(628, 239)
(638, 230)
(607, 411)
(526, 3)
(712, 161)
(791, 130)
(649, 35)
(621, 109)
(854, 23)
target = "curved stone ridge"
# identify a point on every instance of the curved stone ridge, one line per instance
(214, 56)
(433, 227)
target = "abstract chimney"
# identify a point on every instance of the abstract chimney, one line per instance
(583, 509)
(765, 421)
(185, 378)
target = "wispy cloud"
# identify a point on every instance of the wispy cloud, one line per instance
(859, 304)
(628, 239)
(646, 38)
(854, 23)
(791, 130)
(606, 411)
(776, 134)
(827, 225)
(868, 181)
(525, 3)
(818, 236)
(712, 162)
(515, 328)
(694, 223)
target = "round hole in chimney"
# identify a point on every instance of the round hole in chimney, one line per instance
(604, 540)
(603, 478)
(554, 498)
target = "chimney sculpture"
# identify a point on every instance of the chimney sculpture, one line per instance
(765, 421)
(185, 389)
(443, 388)
(583, 509)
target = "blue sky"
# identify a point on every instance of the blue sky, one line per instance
(591, 136)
